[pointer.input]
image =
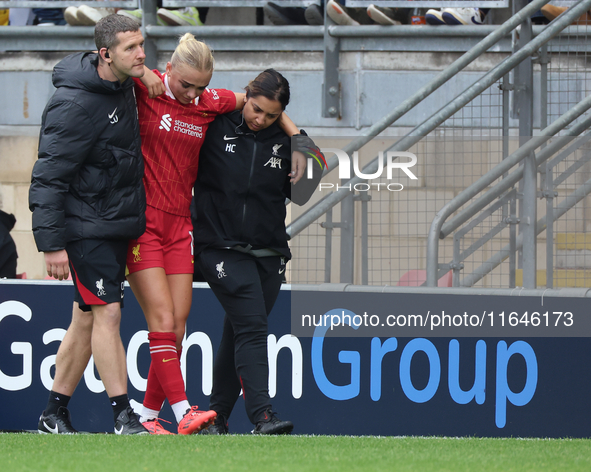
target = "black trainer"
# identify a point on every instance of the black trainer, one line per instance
(219, 426)
(128, 422)
(280, 16)
(59, 423)
(270, 424)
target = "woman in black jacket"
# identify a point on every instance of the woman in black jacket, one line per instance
(240, 240)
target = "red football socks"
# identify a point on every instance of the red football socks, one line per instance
(164, 378)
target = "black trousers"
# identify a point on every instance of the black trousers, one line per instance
(247, 287)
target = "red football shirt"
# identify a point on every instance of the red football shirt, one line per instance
(172, 135)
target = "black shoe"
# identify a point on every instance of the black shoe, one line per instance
(270, 424)
(219, 426)
(128, 422)
(281, 16)
(59, 423)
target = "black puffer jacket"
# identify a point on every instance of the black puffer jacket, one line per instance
(87, 182)
(243, 181)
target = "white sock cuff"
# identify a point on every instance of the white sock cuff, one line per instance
(180, 409)
(148, 414)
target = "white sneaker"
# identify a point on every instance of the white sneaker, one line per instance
(137, 16)
(433, 17)
(462, 16)
(71, 16)
(381, 15)
(133, 14)
(188, 16)
(89, 16)
(338, 14)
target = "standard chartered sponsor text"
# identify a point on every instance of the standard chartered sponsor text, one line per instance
(188, 128)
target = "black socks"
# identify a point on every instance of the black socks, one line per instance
(55, 401)
(119, 404)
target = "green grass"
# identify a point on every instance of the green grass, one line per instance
(110, 453)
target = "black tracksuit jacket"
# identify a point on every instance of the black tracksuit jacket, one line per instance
(87, 182)
(242, 184)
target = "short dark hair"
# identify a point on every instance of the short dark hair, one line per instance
(107, 28)
(270, 84)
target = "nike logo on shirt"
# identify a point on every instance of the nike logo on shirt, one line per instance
(229, 138)
(113, 114)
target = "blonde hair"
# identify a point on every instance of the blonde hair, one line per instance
(192, 53)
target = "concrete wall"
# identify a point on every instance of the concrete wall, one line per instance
(17, 156)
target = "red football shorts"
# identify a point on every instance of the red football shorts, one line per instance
(167, 243)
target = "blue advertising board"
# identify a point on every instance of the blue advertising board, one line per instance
(333, 382)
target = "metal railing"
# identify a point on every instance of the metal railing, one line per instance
(525, 52)
(528, 238)
(506, 194)
(331, 39)
(256, 3)
(129, 4)
(428, 126)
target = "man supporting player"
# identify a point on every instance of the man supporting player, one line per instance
(88, 201)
